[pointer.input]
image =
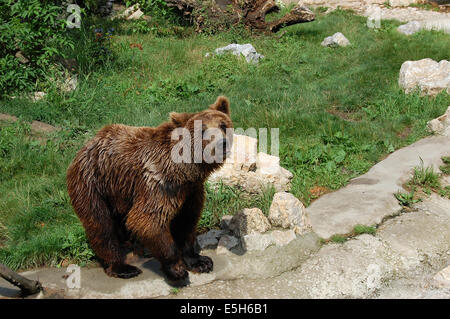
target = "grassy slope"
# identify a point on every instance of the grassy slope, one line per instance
(339, 111)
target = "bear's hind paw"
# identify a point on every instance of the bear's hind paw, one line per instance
(124, 271)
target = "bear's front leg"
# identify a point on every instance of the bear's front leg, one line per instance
(156, 236)
(183, 228)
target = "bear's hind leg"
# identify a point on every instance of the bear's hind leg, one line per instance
(102, 231)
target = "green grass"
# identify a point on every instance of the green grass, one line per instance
(362, 229)
(424, 6)
(407, 199)
(424, 181)
(424, 177)
(339, 111)
(446, 167)
(339, 239)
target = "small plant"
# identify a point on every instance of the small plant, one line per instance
(425, 177)
(140, 26)
(446, 167)
(339, 239)
(362, 229)
(445, 192)
(406, 199)
(174, 290)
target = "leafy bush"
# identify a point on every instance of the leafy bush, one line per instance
(35, 30)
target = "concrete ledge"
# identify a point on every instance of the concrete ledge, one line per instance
(370, 197)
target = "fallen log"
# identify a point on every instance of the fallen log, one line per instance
(27, 286)
(221, 14)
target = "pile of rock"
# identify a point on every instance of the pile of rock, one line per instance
(251, 171)
(250, 230)
(427, 75)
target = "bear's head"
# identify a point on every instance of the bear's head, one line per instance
(206, 136)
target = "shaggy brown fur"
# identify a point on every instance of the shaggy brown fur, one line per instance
(123, 182)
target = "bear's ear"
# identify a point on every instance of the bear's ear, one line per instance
(180, 119)
(222, 105)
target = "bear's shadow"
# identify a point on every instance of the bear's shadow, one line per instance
(155, 267)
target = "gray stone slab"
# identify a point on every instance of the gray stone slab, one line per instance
(400, 261)
(151, 283)
(369, 198)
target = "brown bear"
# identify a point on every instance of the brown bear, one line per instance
(124, 183)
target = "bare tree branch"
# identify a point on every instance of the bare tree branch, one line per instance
(27, 286)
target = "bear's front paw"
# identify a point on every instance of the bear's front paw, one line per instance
(122, 271)
(176, 273)
(200, 264)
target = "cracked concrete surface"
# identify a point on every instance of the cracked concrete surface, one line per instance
(398, 262)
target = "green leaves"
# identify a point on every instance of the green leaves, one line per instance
(36, 29)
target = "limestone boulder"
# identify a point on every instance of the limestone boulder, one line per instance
(336, 40)
(249, 221)
(440, 125)
(288, 212)
(247, 50)
(250, 171)
(426, 75)
(410, 28)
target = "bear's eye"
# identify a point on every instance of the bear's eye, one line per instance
(223, 126)
(204, 128)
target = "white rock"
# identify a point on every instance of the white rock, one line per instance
(70, 84)
(442, 278)
(136, 15)
(427, 75)
(336, 40)
(247, 50)
(243, 153)
(129, 11)
(268, 167)
(226, 243)
(440, 125)
(288, 212)
(410, 28)
(37, 96)
(209, 239)
(283, 237)
(251, 171)
(249, 221)
(256, 241)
